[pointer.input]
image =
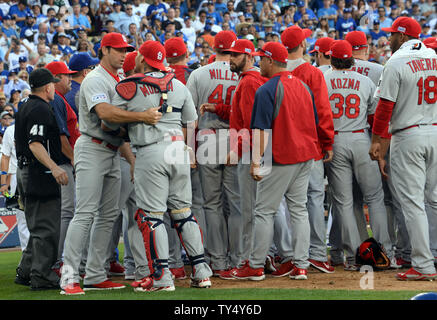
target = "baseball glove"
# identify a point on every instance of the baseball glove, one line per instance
(372, 253)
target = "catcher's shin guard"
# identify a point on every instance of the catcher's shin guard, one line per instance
(190, 235)
(155, 242)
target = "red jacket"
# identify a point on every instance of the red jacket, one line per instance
(242, 103)
(314, 78)
(72, 124)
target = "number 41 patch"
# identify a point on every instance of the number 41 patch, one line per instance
(37, 130)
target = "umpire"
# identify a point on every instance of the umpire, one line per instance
(38, 148)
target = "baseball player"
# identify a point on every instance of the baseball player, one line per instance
(351, 98)
(321, 47)
(82, 63)
(69, 133)
(239, 116)
(134, 260)
(407, 106)
(431, 43)
(162, 169)
(293, 39)
(215, 84)
(177, 52)
(97, 166)
(277, 106)
(360, 53)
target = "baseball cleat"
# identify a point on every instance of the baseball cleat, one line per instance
(154, 289)
(147, 285)
(284, 269)
(322, 266)
(116, 269)
(248, 273)
(403, 263)
(105, 285)
(351, 267)
(203, 283)
(412, 274)
(72, 289)
(226, 274)
(298, 274)
(269, 265)
(178, 273)
(394, 264)
(217, 273)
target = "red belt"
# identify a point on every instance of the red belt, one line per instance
(356, 131)
(108, 145)
(413, 126)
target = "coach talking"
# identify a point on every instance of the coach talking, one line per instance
(38, 148)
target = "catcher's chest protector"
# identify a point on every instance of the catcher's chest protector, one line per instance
(127, 89)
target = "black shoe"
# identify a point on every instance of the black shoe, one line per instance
(46, 287)
(22, 281)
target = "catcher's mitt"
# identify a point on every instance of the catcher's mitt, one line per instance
(372, 253)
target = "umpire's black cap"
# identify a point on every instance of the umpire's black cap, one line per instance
(40, 77)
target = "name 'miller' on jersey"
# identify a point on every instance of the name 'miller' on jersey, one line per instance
(219, 74)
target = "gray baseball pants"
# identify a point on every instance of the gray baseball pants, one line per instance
(290, 181)
(413, 160)
(98, 184)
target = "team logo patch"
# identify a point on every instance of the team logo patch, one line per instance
(8, 222)
(99, 97)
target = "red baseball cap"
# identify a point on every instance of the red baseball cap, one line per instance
(431, 42)
(154, 54)
(341, 49)
(58, 67)
(274, 50)
(116, 40)
(357, 39)
(175, 47)
(242, 46)
(223, 40)
(129, 61)
(405, 25)
(322, 45)
(293, 36)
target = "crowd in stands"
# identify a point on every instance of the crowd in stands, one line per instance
(36, 32)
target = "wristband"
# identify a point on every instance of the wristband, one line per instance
(4, 173)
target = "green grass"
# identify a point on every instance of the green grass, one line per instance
(10, 291)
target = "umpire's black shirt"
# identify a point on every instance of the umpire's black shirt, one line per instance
(35, 122)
